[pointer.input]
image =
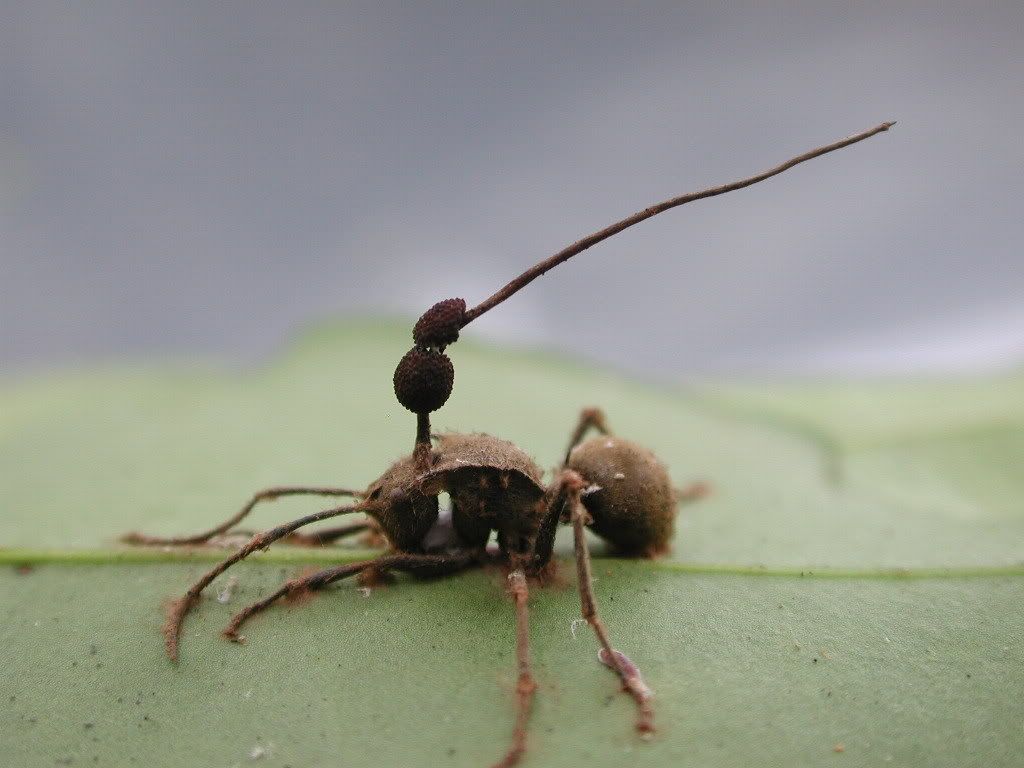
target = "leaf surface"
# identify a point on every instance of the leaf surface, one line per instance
(854, 581)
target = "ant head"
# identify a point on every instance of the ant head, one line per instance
(403, 510)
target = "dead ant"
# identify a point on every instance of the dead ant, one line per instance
(617, 488)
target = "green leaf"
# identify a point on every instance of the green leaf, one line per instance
(854, 579)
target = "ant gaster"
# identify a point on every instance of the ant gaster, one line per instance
(617, 488)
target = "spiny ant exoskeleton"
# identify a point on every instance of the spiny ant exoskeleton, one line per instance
(614, 487)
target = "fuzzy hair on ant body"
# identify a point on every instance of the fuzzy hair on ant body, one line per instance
(618, 489)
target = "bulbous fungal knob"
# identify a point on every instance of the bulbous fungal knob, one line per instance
(439, 326)
(424, 379)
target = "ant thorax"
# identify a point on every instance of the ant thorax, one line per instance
(493, 486)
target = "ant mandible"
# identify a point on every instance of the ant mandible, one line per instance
(617, 488)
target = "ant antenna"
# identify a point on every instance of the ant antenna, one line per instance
(425, 376)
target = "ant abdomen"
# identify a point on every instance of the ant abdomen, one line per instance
(629, 495)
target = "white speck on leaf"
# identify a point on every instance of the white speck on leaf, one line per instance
(225, 593)
(258, 752)
(573, 624)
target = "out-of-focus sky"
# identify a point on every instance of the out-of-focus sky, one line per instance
(203, 179)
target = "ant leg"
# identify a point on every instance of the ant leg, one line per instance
(265, 495)
(526, 685)
(692, 492)
(544, 543)
(627, 671)
(590, 418)
(557, 496)
(177, 609)
(417, 564)
(327, 535)
(324, 536)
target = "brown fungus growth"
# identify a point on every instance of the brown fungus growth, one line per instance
(423, 380)
(611, 486)
(439, 326)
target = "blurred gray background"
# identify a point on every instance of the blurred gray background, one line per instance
(182, 180)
